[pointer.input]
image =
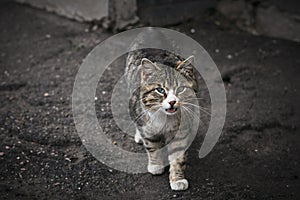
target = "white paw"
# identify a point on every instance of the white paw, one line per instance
(182, 184)
(138, 138)
(156, 169)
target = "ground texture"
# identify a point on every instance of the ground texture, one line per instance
(42, 157)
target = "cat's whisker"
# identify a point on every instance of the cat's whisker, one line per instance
(150, 104)
(137, 118)
(190, 112)
(140, 116)
(199, 107)
(155, 116)
(195, 98)
(193, 114)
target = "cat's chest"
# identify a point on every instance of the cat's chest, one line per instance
(162, 126)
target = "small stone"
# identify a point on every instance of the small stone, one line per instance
(48, 36)
(95, 27)
(174, 195)
(7, 147)
(1, 153)
(68, 159)
(217, 50)
(46, 94)
(229, 56)
(103, 92)
(115, 143)
(193, 30)
(110, 170)
(255, 150)
(96, 98)
(217, 23)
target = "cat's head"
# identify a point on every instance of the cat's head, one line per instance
(165, 88)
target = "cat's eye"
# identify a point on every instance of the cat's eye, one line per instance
(160, 90)
(180, 89)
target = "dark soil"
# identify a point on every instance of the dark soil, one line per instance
(42, 157)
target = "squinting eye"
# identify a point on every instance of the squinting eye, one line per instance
(180, 89)
(160, 90)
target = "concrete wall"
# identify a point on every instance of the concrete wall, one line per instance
(120, 14)
(168, 12)
(81, 10)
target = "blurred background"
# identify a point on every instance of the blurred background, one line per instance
(261, 17)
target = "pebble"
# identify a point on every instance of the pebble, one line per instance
(229, 56)
(115, 142)
(46, 94)
(217, 50)
(193, 30)
(68, 159)
(96, 98)
(1, 153)
(48, 36)
(95, 27)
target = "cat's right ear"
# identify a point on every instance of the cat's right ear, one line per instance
(148, 68)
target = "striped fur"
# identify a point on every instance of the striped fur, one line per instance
(159, 82)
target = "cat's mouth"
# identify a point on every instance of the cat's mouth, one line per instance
(171, 110)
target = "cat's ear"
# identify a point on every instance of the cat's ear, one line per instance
(186, 67)
(148, 68)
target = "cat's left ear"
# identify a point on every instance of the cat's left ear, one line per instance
(187, 66)
(148, 68)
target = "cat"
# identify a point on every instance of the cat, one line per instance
(162, 87)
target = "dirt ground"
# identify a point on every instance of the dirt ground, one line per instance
(42, 157)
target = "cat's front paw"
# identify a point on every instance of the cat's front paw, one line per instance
(156, 169)
(182, 184)
(137, 138)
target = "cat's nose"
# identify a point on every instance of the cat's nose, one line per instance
(172, 103)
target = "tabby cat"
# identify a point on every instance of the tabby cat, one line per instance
(162, 87)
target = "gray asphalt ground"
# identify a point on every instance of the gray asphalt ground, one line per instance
(42, 157)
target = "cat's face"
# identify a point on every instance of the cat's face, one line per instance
(165, 88)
